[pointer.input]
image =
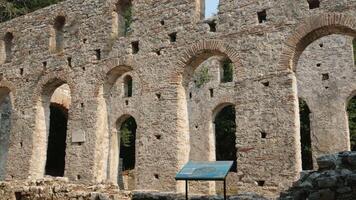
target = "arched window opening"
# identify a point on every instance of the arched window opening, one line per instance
(354, 49)
(351, 110)
(56, 140)
(122, 18)
(225, 136)
(5, 125)
(8, 43)
(305, 136)
(128, 86)
(207, 8)
(127, 159)
(57, 39)
(226, 72)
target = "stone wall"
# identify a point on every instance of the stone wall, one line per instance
(335, 179)
(93, 64)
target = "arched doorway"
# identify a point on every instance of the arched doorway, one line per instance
(5, 127)
(127, 152)
(51, 130)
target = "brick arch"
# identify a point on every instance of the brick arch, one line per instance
(312, 29)
(197, 53)
(48, 83)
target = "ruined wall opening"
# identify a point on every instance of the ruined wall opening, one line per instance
(305, 135)
(128, 86)
(323, 65)
(127, 155)
(225, 135)
(351, 110)
(5, 128)
(56, 43)
(122, 18)
(56, 140)
(48, 154)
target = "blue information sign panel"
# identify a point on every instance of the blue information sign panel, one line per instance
(195, 170)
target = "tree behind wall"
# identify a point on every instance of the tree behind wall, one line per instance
(10, 9)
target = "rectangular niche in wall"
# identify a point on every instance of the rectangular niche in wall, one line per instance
(6, 48)
(56, 43)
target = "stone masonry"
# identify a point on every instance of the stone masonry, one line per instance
(72, 54)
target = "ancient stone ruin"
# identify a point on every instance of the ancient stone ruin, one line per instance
(98, 98)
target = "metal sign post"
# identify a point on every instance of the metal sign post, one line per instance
(204, 171)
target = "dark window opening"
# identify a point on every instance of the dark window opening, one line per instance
(128, 86)
(305, 137)
(135, 47)
(127, 144)
(8, 40)
(98, 54)
(262, 16)
(158, 95)
(227, 71)
(162, 22)
(212, 25)
(44, 64)
(318, 64)
(313, 4)
(56, 140)
(351, 110)
(211, 90)
(190, 95)
(123, 18)
(69, 61)
(225, 137)
(21, 71)
(59, 33)
(173, 37)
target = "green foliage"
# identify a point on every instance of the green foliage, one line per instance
(127, 143)
(202, 77)
(228, 70)
(304, 112)
(128, 19)
(127, 134)
(10, 9)
(351, 109)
